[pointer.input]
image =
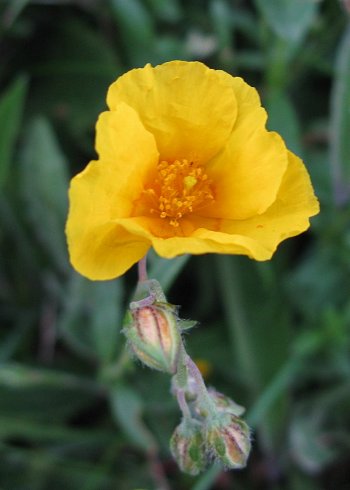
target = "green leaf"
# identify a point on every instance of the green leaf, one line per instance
(11, 108)
(106, 320)
(127, 410)
(39, 394)
(272, 392)
(259, 349)
(221, 16)
(289, 19)
(300, 480)
(72, 74)
(44, 184)
(14, 9)
(166, 270)
(340, 121)
(318, 161)
(33, 430)
(92, 317)
(310, 295)
(283, 119)
(169, 11)
(11, 341)
(206, 481)
(136, 27)
(36, 469)
(309, 434)
(169, 47)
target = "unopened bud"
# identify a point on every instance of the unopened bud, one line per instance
(154, 336)
(187, 448)
(228, 441)
(224, 404)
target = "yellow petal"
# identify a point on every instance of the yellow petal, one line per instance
(189, 108)
(197, 240)
(104, 252)
(124, 144)
(201, 242)
(287, 217)
(248, 172)
(99, 248)
(256, 237)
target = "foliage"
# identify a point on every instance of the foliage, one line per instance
(75, 410)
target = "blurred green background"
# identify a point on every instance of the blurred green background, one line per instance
(75, 412)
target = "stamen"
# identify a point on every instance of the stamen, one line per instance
(180, 188)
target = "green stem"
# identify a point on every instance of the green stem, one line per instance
(181, 400)
(186, 370)
(181, 377)
(203, 396)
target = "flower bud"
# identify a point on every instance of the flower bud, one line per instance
(187, 448)
(228, 441)
(224, 404)
(154, 336)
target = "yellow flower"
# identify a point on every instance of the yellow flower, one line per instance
(186, 165)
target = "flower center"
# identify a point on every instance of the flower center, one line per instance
(180, 187)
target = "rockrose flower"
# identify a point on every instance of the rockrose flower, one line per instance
(185, 165)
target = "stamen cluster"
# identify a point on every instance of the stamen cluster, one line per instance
(180, 188)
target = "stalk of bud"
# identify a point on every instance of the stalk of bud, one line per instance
(187, 447)
(228, 440)
(154, 336)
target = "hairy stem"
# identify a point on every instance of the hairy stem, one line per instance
(201, 389)
(180, 395)
(142, 269)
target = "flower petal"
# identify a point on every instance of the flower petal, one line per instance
(104, 191)
(248, 172)
(257, 237)
(189, 108)
(105, 252)
(98, 247)
(287, 217)
(123, 143)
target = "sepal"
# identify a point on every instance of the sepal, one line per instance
(187, 447)
(153, 335)
(228, 441)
